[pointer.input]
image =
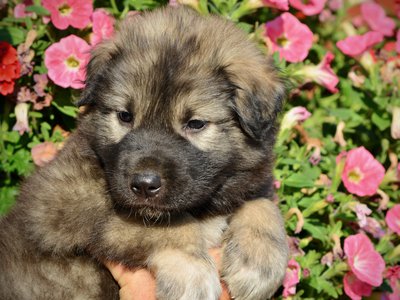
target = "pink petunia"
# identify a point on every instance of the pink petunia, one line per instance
(279, 4)
(373, 227)
(20, 12)
(43, 153)
(310, 7)
(393, 218)
(362, 211)
(294, 116)
(393, 275)
(21, 113)
(291, 38)
(64, 13)
(66, 61)
(321, 73)
(292, 278)
(364, 261)
(335, 4)
(374, 15)
(362, 173)
(355, 288)
(395, 125)
(103, 26)
(41, 82)
(357, 44)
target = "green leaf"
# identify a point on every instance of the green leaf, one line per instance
(12, 35)
(12, 137)
(7, 198)
(322, 285)
(22, 162)
(318, 232)
(245, 27)
(308, 201)
(39, 10)
(310, 259)
(380, 122)
(299, 180)
(71, 111)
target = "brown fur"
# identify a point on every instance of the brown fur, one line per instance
(165, 68)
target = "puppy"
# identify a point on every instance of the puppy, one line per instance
(173, 155)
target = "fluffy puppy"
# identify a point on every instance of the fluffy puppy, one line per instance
(172, 156)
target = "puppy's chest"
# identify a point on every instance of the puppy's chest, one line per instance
(213, 229)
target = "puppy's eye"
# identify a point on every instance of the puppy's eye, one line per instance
(196, 125)
(125, 116)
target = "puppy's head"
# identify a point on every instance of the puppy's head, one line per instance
(181, 112)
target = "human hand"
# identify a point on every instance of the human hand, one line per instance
(141, 285)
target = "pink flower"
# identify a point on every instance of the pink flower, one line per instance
(294, 246)
(42, 102)
(25, 95)
(365, 262)
(393, 275)
(310, 7)
(279, 4)
(41, 83)
(335, 4)
(19, 11)
(43, 153)
(291, 38)
(362, 211)
(21, 113)
(393, 218)
(64, 13)
(355, 288)
(66, 61)
(321, 73)
(395, 125)
(357, 44)
(330, 198)
(277, 184)
(294, 116)
(327, 259)
(362, 173)
(103, 26)
(315, 157)
(292, 278)
(398, 41)
(373, 227)
(376, 18)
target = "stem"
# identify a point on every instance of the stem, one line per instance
(337, 269)
(114, 7)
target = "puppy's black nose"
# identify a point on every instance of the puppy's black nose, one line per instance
(146, 185)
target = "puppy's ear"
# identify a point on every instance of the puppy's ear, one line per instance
(100, 57)
(259, 98)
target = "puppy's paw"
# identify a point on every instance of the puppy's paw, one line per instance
(255, 253)
(184, 276)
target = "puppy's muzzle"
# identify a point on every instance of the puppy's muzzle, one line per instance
(146, 185)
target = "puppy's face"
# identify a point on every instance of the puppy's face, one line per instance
(181, 119)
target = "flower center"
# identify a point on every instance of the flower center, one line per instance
(72, 62)
(282, 41)
(355, 175)
(65, 9)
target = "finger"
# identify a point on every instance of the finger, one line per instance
(225, 292)
(138, 285)
(215, 253)
(134, 285)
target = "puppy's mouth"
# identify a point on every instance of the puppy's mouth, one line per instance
(147, 211)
